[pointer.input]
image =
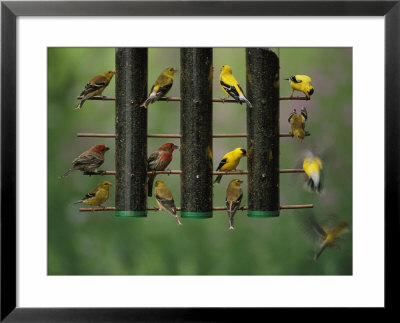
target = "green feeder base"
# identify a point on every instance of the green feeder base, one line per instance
(130, 214)
(263, 214)
(196, 215)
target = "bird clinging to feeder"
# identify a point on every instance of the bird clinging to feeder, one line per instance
(165, 200)
(95, 86)
(301, 83)
(233, 199)
(97, 196)
(230, 85)
(298, 122)
(89, 160)
(161, 86)
(158, 161)
(230, 161)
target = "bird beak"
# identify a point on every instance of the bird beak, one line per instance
(246, 154)
(107, 148)
(114, 72)
(175, 70)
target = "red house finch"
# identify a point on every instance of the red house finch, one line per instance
(159, 160)
(95, 86)
(89, 160)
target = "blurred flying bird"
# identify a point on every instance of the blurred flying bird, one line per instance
(161, 86)
(233, 199)
(312, 166)
(95, 86)
(165, 200)
(230, 85)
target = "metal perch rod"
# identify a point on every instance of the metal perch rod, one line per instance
(173, 135)
(217, 208)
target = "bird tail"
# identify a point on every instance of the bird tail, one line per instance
(145, 104)
(245, 100)
(231, 226)
(218, 179)
(319, 250)
(177, 220)
(151, 99)
(80, 201)
(67, 173)
(150, 185)
(315, 184)
(81, 102)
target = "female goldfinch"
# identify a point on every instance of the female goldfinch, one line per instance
(298, 123)
(230, 85)
(165, 200)
(230, 161)
(233, 199)
(98, 195)
(95, 86)
(161, 86)
(313, 168)
(301, 83)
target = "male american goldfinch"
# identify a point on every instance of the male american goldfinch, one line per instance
(312, 166)
(98, 195)
(159, 160)
(301, 83)
(165, 200)
(298, 123)
(89, 160)
(230, 85)
(161, 86)
(95, 86)
(234, 196)
(230, 161)
(324, 235)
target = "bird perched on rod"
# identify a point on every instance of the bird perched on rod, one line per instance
(89, 160)
(230, 161)
(95, 86)
(161, 86)
(301, 83)
(324, 235)
(230, 85)
(312, 166)
(159, 160)
(165, 200)
(98, 195)
(298, 123)
(233, 199)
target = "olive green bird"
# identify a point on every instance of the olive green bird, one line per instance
(165, 200)
(97, 196)
(161, 86)
(298, 123)
(233, 199)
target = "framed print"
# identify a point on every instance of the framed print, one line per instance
(125, 92)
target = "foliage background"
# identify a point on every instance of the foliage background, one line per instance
(101, 244)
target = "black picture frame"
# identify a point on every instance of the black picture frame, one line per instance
(10, 10)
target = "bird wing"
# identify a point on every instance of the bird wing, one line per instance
(231, 90)
(222, 163)
(95, 84)
(293, 113)
(233, 202)
(88, 159)
(294, 79)
(168, 204)
(152, 160)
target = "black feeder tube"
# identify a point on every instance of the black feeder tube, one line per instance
(196, 131)
(130, 132)
(263, 132)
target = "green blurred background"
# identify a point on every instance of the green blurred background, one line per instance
(98, 243)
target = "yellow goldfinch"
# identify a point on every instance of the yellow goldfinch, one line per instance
(230, 161)
(165, 200)
(95, 86)
(234, 196)
(298, 123)
(230, 85)
(98, 195)
(313, 168)
(324, 236)
(301, 83)
(161, 86)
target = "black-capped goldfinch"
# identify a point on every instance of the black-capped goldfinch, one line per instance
(234, 196)
(324, 235)
(165, 200)
(312, 166)
(230, 161)
(298, 123)
(95, 86)
(301, 83)
(230, 85)
(161, 86)
(98, 195)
